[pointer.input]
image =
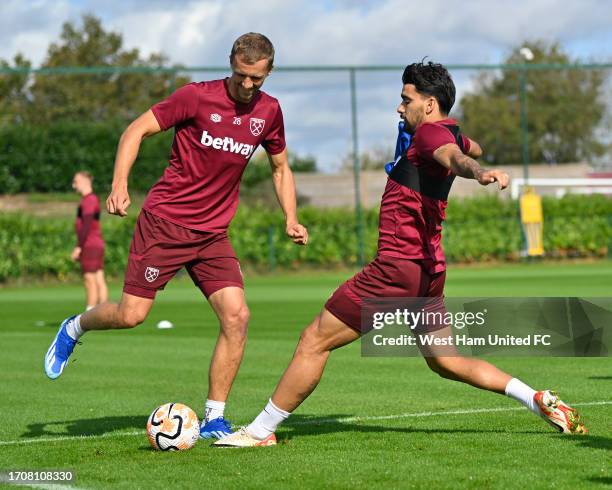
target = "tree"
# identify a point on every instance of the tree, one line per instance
(91, 97)
(565, 108)
(14, 100)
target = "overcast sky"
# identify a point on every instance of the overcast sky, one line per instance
(307, 32)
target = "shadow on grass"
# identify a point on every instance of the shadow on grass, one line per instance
(85, 427)
(304, 425)
(602, 480)
(297, 426)
(601, 378)
(590, 441)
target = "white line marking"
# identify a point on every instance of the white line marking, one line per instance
(48, 486)
(309, 422)
(433, 414)
(41, 485)
(73, 438)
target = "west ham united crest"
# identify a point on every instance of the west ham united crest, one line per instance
(151, 274)
(257, 125)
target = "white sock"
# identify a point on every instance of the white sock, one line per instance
(74, 328)
(213, 410)
(89, 307)
(522, 393)
(267, 421)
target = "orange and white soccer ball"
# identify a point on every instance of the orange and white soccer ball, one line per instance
(173, 427)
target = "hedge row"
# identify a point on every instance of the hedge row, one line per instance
(44, 158)
(476, 230)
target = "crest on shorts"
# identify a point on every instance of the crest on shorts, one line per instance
(256, 125)
(151, 274)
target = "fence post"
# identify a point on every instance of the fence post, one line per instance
(357, 171)
(271, 249)
(173, 82)
(524, 124)
(610, 237)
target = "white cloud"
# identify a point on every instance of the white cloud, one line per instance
(187, 33)
(28, 27)
(199, 32)
(316, 106)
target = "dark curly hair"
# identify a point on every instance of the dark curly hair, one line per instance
(432, 79)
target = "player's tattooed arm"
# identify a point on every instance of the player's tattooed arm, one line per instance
(451, 157)
(475, 149)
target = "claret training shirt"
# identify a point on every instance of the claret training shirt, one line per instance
(215, 136)
(414, 202)
(87, 224)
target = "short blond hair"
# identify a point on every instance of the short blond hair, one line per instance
(86, 174)
(253, 47)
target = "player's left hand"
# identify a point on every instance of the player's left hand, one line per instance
(298, 233)
(489, 176)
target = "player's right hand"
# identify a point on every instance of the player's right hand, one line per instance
(118, 201)
(489, 176)
(76, 254)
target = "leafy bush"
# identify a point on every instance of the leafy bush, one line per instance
(44, 158)
(36, 158)
(476, 230)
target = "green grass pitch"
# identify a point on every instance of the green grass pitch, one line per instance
(371, 423)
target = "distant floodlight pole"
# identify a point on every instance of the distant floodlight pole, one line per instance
(527, 56)
(357, 172)
(524, 127)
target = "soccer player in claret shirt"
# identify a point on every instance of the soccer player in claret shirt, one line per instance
(218, 125)
(410, 263)
(89, 251)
